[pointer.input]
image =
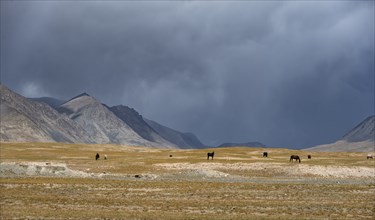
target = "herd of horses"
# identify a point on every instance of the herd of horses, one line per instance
(265, 154)
(292, 157)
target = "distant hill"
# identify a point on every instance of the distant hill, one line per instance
(365, 131)
(359, 139)
(248, 144)
(183, 140)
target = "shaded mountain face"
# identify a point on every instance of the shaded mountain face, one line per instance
(182, 140)
(23, 120)
(132, 118)
(359, 139)
(248, 144)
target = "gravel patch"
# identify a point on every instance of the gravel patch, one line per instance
(47, 169)
(211, 169)
(39, 169)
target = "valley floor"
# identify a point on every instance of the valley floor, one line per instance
(62, 181)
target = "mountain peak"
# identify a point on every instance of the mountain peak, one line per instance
(76, 97)
(78, 102)
(80, 95)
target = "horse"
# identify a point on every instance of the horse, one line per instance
(97, 156)
(265, 154)
(294, 157)
(210, 155)
(309, 156)
(369, 156)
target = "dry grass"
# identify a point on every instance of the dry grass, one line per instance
(269, 191)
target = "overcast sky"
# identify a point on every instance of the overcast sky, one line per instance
(285, 73)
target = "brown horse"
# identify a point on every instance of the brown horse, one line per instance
(294, 157)
(210, 155)
(265, 154)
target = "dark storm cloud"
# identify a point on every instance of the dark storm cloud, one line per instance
(284, 73)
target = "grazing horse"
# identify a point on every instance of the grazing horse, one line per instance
(294, 157)
(309, 156)
(265, 154)
(210, 155)
(97, 156)
(369, 156)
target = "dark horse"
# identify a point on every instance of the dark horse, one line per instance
(309, 156)
(97, 156)
(210, 155)
(294, 157)
(265, 154)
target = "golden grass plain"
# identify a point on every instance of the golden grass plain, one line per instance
(237, 184)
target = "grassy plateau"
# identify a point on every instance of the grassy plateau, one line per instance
(64, 181)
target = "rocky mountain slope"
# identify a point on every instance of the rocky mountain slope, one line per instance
(183, 140)
(135, 121)
(359, 139)
(362, 132)
(101, 124)
(23, 120)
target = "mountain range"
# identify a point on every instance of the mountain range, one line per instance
(83, 119)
